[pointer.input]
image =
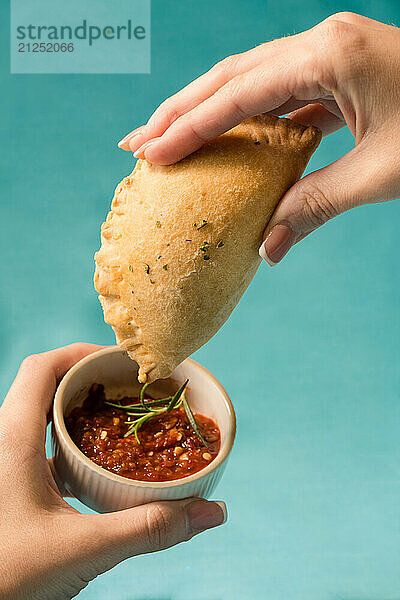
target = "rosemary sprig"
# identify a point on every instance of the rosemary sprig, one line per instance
(143, 411)
(141, 396)
(193, 422)
(176, 397)
(152, 412)
(137, 406)
(136, 425)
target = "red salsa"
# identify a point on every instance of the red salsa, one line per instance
(169, 448)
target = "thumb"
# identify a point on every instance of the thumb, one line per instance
(354, 179)
(102, 541)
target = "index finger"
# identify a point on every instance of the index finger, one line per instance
(257, 91)
(290, 78)
(31, 394)
(200, 89)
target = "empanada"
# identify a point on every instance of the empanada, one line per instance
(180, 245)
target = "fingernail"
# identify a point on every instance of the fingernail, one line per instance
(278, 242)
(133, 134)
(204, 515)
(140, 152)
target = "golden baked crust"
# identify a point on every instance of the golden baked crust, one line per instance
(180, 245)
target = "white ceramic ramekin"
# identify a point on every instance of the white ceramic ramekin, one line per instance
(104, 491)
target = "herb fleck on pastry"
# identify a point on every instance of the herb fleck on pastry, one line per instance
(180, 244)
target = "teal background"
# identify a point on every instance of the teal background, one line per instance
(310, 356)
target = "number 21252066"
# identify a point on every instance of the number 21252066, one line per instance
(45, 47)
